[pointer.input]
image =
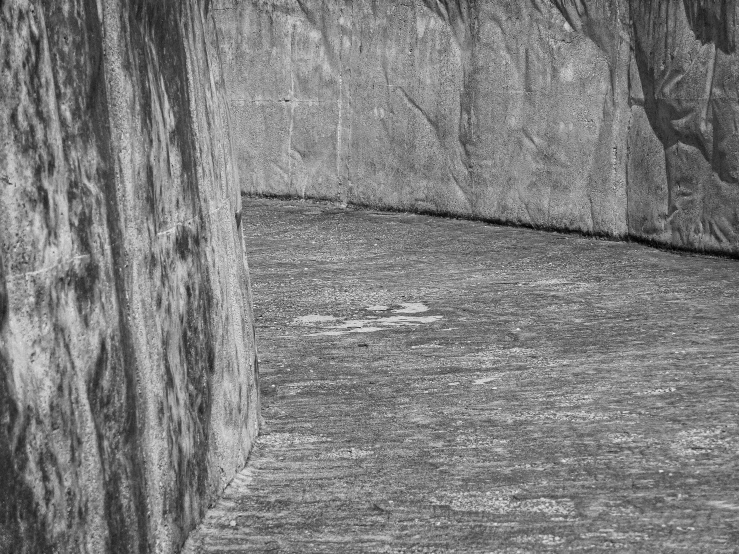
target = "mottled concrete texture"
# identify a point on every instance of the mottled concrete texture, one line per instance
(127, 362)
(443, 386)
(614, 117)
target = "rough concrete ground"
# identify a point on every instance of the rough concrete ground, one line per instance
(559, 393)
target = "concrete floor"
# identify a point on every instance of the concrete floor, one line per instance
(433, 385)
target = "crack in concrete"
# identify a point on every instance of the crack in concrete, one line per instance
(184, 222)
(43, 270)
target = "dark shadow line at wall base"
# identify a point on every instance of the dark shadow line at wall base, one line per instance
(651, 243)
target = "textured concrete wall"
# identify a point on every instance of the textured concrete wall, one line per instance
(615, 117)
(127, 360)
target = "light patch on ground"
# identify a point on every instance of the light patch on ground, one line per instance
(723, 505)
(347, 454)
(289, 439)
(497, 503)
(411, 308)
(374, 324)
(547, 540)
(579, 415)
(549, 282)
(398, 320)
(616, 535)
(352, 330)
(656, 392)
(694, 442)
(313, 318)
(469, 440)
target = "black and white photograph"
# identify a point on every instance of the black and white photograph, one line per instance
(369, 276)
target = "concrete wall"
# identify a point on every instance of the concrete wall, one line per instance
(614, 117)
(128, 393)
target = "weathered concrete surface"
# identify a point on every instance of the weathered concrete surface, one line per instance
(559, 394)
(127, 361)
(612, 117)
(688, 68)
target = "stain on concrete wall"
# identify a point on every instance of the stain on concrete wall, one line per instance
(612, 117)
(128, 395)
(689, 74)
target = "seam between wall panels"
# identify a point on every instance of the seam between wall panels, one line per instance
(339, 138)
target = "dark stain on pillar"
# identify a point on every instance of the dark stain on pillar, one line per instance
(21, 528)
(112, 390)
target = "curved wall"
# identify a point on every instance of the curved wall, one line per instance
(128, 395)
(613, 117)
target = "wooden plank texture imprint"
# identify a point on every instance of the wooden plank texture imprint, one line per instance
(436, 385)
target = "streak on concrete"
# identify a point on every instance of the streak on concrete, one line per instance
(577, 395)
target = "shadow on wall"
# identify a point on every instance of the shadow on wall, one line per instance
(128, 395)
(612, 117)
(713, 21)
